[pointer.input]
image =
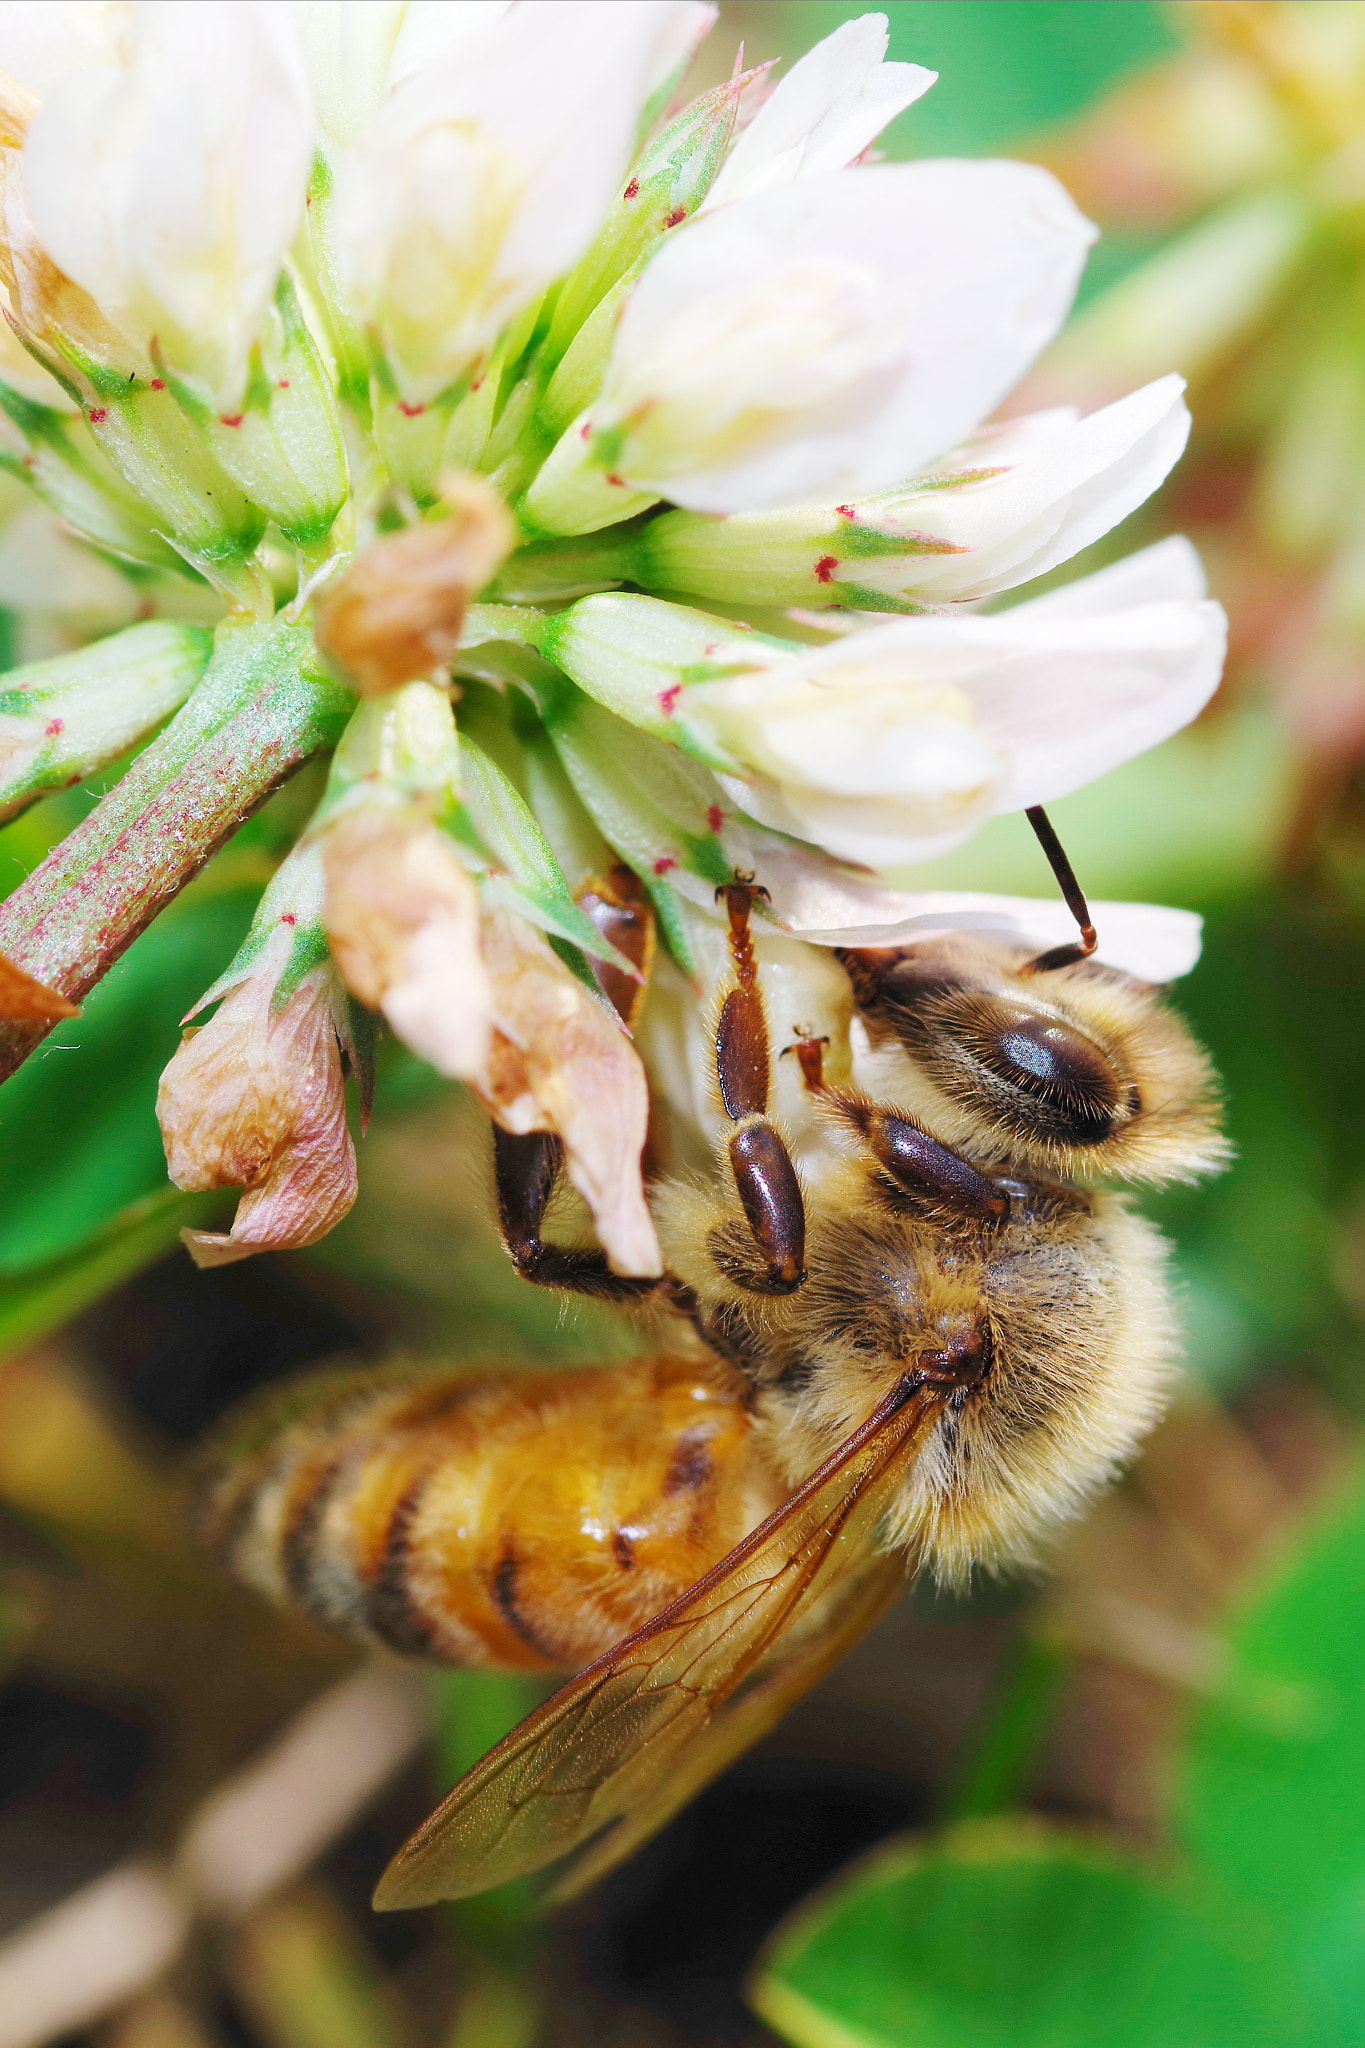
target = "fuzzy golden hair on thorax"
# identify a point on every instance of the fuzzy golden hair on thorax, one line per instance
(1078, 1071)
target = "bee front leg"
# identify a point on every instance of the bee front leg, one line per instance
(526, 1170)
(765, 1179)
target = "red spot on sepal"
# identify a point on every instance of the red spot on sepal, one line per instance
(715, 817)
(664, 865)
(668, 699)
(826, 567)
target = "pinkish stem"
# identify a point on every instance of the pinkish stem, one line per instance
(263, 708)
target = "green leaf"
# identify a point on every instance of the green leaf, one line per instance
(1273, 1790)
(78, 1121)
(1011, 1932)
(50, 1294)
(473, 1711)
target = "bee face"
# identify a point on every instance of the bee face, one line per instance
(1074, 1070)
(1050, 1333)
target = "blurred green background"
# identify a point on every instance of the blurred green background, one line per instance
(1138, 1822)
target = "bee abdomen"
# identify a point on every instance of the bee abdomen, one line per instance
(523, 1522)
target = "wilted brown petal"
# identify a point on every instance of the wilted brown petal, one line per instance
(402, 919)
(26, 1001)
(562, 1063)
(395, 616)
(257, 1102)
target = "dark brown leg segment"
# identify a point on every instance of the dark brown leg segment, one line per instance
(919, 1163)
(765, 1179)
(527, 1169)
(624, 915)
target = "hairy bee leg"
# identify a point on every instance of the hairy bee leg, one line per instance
(918, 1163)
(526, 1169)
(765, 1179)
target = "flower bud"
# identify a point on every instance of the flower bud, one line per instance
(1005, 508)
(255, 1100)
(61, 719)
(166, 175)
(282, 443)
(394, 617)
(561, 1062)
(56, 453)
(484, 176)
(402, 919)
(821, 338)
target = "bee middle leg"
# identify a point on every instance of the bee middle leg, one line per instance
(906, 1153)
(765, 1179)
(526, 1169)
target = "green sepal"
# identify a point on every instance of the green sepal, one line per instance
(294, 892)
(508, 828)
(284, 447)
(636, 655)
(667, 184)
(647, 800)
(66, 469)
(863, 597)
(79, 711)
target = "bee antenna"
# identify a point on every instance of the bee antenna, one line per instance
(1061, 956)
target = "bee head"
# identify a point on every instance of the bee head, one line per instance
(1073, 1069)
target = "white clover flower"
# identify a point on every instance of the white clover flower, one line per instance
(166, 176)
(1006, 506)
(432, 348)
(829, 108)
(484, 174)
(890, 746)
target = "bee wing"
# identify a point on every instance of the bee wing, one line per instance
(744, 1718)
(617, 1742)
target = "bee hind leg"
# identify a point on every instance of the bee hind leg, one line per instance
(526, 1169)
(765, 1179)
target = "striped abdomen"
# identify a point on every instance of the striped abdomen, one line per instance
(522, 1521)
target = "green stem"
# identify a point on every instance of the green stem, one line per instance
(263, 708)
(997, 1770)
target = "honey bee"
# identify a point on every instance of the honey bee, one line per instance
(925, 1339)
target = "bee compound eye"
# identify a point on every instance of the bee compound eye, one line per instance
(1077, 1087)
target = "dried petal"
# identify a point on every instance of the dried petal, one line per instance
(26, 1001)
(402, 919)
(256, 1101)
(395, 616)
(562, 1063)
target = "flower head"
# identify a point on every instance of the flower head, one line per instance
(423, 329)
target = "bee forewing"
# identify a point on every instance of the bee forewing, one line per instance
(636, 1734)
(785, 1674)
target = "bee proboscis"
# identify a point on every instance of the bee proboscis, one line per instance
(916, 1332)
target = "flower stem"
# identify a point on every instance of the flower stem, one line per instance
(263, 708)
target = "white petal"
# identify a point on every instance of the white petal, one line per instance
(1153, 941)
(483, 177)
(876, 832)
(830, 337)
(347, 46)
(42, 40)
(1064, 693)
(824, 113)
(1170, 570)
(1065, 482)
(171, 184)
